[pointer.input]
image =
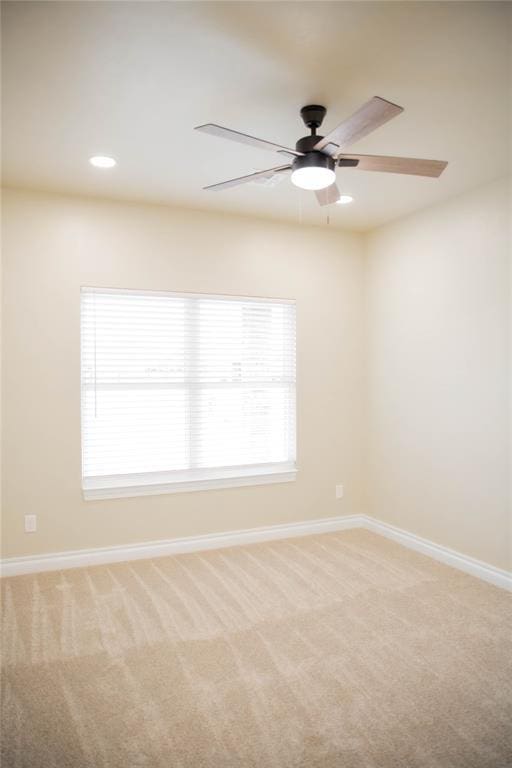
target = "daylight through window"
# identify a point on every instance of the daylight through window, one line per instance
(185, 391)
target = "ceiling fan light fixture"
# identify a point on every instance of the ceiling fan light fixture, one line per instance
(313, 171)
(313, 161)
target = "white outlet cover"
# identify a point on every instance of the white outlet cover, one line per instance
(30, 523)
(339, 491)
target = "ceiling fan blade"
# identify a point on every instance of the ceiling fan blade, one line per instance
(370, 116)
(250, 177)
(328, 195)
(411, 165)
(244, 138)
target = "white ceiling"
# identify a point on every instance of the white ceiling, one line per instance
(132, 79)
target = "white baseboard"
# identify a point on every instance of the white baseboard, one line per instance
(471, 565)
(15, 566)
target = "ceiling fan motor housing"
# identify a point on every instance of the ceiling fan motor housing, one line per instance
(307, 143)
(313, 159)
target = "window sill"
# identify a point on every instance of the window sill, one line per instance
(102, 488)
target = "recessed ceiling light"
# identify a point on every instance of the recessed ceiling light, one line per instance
(344, 199)
(102, 161)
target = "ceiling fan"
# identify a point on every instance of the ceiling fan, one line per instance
(314, 159)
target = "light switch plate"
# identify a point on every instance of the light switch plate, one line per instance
(339, 491)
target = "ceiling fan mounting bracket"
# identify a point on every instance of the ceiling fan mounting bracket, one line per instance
(313, 115)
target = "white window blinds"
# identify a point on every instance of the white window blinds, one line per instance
(185, 391)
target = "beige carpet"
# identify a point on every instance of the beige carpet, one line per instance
(335, 651)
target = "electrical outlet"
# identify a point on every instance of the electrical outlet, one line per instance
(30, 523)
(339, 491)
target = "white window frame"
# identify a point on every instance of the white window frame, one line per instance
(156, 483)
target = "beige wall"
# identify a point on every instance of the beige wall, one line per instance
(438, 374)
(403, 366)
(52, 245)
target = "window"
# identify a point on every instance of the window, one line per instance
(185, 391)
